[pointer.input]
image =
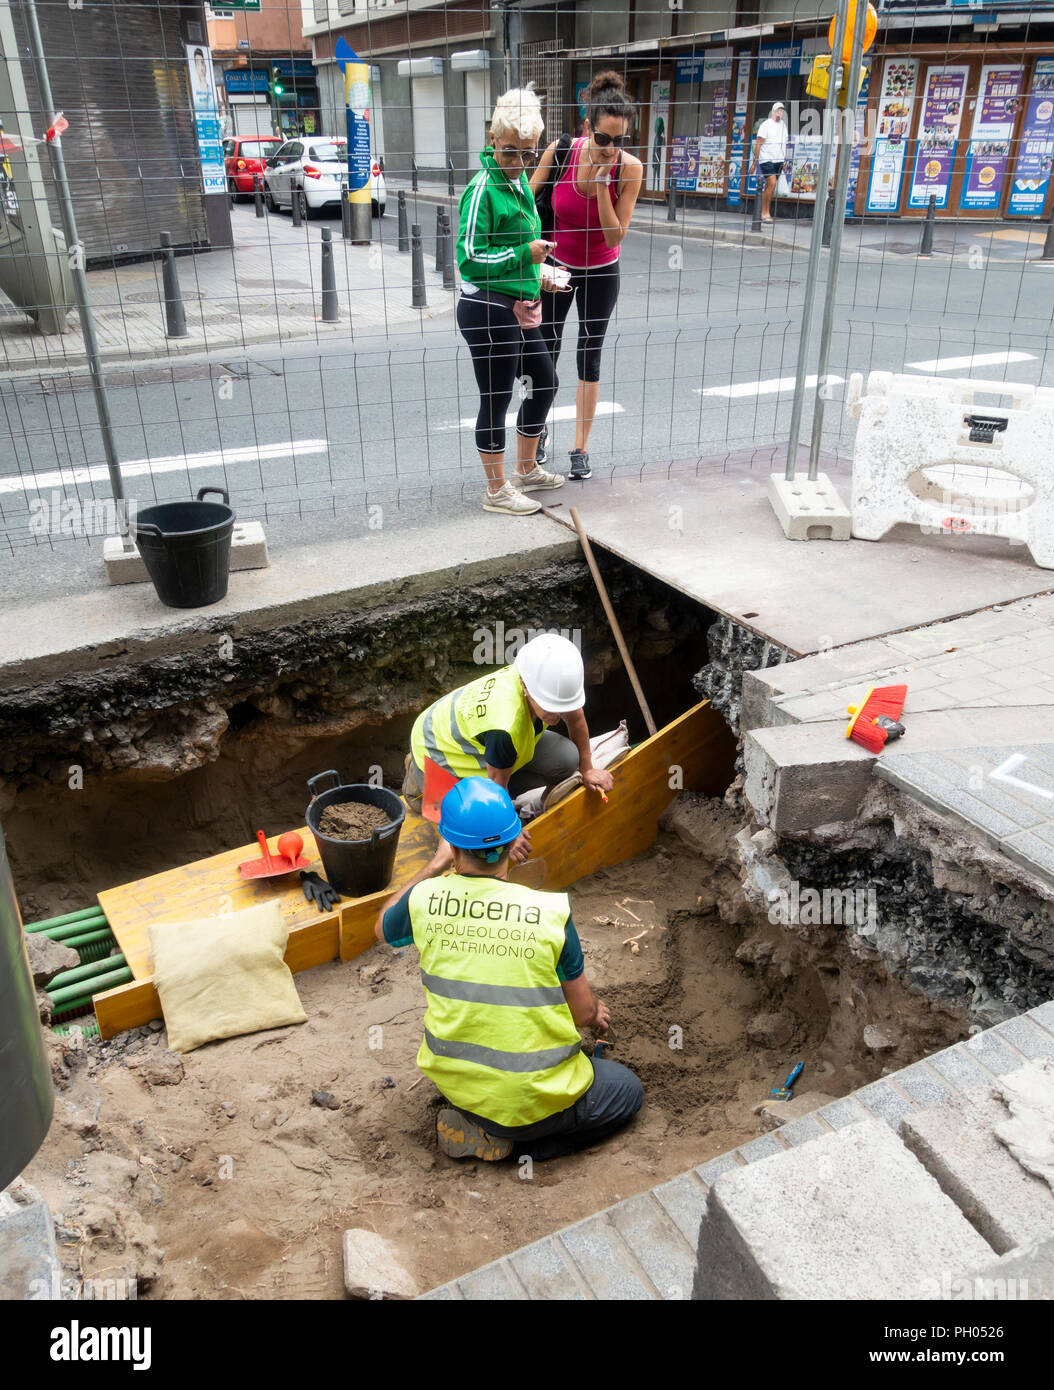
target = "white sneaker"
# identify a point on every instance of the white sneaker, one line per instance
(536, 480)
(508, 499)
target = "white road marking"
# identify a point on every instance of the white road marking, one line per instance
(1003, 774)
(136, 468)
(772, 387)
(562, 412)
(977, 359)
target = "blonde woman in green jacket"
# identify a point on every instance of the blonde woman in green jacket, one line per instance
(500, 254)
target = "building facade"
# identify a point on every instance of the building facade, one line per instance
(264, 69)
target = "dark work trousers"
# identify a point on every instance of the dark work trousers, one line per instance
(611, 1102)
(502, 352)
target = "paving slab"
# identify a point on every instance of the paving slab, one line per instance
(956, 1143)
(852, 1215)
(665, 1254)
(1023, 1275)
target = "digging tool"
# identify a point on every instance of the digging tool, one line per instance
(601, 1045)
(616, 630)
(274, 865)
(785, 1092)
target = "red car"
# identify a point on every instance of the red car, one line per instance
(243, 158)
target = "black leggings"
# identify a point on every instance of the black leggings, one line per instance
(595, 293)
(502, 352)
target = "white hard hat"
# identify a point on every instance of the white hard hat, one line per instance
(551, 668)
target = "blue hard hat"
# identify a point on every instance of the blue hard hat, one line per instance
(478, 814)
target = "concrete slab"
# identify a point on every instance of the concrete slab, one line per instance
(1024, 1275)
(605, 1260)
(29, 1261)
(546, 1272)
(851, 1215)
(801, 776)
(708, 530)
(809, 510)
(956, 1143)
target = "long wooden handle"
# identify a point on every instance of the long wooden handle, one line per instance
(602, 591)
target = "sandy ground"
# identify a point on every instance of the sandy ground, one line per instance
(233, 1171)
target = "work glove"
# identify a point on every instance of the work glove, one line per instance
(318, 891)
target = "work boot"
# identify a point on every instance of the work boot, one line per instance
(580, 469)
(536, 480)
(460, 1137)
(562, 789)
(509, 499)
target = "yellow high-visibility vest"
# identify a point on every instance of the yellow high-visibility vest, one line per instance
(499, 1038)
(449, 732)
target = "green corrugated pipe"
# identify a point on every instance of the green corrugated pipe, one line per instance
(86, 938)
(72, 996)
(75, 928)
(85, 972)
(84, 912)
(89, 1027)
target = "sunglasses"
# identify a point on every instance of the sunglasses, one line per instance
(524, 156)
(605, 140)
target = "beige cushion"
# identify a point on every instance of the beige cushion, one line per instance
(218, 977)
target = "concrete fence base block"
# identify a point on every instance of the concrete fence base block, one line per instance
(850, 1215)
(248, 552)
(809, 510)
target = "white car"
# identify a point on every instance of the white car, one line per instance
(312, 171)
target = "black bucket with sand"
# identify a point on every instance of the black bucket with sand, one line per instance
(356, 828)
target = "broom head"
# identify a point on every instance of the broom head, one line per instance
(880, 701)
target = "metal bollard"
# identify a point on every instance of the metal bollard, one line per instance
(926, 243)
(345, 212)
(296, 209)
(404, 229)
(755, 221)
(448, 253)
(828, 218)
(330, 305)
(1047, 254)
(439, 239)
(671, 203)
(175, 317)
(417, 269)
(258, 194)
(450, 178)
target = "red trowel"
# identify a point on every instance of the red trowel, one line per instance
(284, 861)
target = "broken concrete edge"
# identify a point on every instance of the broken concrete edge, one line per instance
(248, 552)
(144, 637)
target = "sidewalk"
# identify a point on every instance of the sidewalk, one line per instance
(264, 289)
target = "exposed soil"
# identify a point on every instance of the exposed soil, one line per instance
(352, 820)
(229, 1162)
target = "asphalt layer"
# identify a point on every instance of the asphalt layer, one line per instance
(312, 437)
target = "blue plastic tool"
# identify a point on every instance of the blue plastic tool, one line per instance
(784, 1092)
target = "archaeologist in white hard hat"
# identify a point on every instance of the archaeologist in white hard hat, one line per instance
(500, 726)
(770, 154)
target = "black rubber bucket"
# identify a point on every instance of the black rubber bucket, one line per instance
(186, 547)
(356, 867)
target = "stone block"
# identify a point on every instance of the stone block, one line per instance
(957, 1144)
(710, 1171)
(493, 1283)
(373, 1269)
(847, 1111)
(853, 1215)
(603, 1260)
(248, 552)
(47, 957)
(29, 1259)
(1022, 1276)
(664, 1254)
(777, 1114)
(881, 1099)
(800, 776)
(546, 1272)
(809, 510)
(684, 1201)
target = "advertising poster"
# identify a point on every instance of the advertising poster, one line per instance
(938, 133)
(805, 167)
(712, 165)
(357, 115)
(658, 136)
(684, 162)
(1036, 151)
(717, 65)
(206, 106)
(899, 79)
(859, 135)
(719, 120)
(993, 124)
(580, 99)
(737, 143)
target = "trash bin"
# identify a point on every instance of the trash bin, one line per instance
(186, 547)
(356, 867)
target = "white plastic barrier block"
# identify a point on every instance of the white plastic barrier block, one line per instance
(930, 452)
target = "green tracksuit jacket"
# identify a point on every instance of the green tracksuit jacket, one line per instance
(499, 220)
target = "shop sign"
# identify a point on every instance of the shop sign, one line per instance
(243, 80)
(688, 70)
(206, 117)
(717, 65)
(774, 58)
(1036, 152)
(993, 125)
(938, 136)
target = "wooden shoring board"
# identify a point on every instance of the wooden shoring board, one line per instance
(214, 886)
(581, 834)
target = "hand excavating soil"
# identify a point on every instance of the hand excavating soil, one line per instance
(352, 820)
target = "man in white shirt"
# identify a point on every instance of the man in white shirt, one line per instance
(770, 150)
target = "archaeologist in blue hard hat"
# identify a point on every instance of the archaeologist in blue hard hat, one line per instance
(506, 993)
(498, 727)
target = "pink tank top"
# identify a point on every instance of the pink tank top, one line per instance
(579, 236)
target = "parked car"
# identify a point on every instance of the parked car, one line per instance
(244, 157)
(312, 171)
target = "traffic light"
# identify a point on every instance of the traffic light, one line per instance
(276, 83)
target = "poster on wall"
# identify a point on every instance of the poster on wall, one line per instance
(206, 104)
(1036, 152)
(945, 93)
(580, 99)
(719, 118)
(684, 162)
(995, 116)
(712, 165)
(659, 121)
(805, 167)
(893, 120)
(737, 142)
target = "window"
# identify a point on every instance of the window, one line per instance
(257, 149)
(332, 150)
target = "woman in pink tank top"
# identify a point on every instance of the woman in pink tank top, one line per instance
(594, 188)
